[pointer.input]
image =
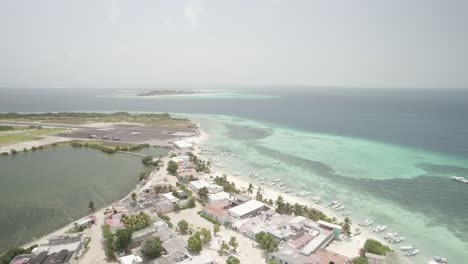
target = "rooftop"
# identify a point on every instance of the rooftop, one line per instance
(200, 184)
(130, 259)
(326, 256)
(246, 208)
(174, 245)
(217, 208)
(200, 259)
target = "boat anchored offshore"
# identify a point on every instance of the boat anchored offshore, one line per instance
(366, 222)
(277, 161)
(379, 229)
(407, 248)
(391, 235)
(460, 179)
(412, 252)
(396, 240)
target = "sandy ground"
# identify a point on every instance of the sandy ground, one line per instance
(247, 252)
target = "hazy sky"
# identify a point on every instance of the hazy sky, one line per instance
(144, 44)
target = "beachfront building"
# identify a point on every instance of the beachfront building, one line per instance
(336, 229)
(212, 188)
(247, 209)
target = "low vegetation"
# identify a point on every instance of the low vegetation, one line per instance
(8, 256)
(228, 187)
(136, 222)
(152, 247)
(375, 247)
(266, 241)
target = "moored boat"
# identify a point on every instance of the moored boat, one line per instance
(396, 240)
(366, 222)
(412, 252)
(379, 229)
(406, 248)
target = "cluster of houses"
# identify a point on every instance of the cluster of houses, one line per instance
(301, 240)
(63, 249)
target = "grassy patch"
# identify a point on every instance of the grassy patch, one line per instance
(9, 139)
(44, 131)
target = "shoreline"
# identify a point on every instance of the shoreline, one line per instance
(349, 247)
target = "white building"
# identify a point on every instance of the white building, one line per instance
(197, 185)
(130, 259)
(219, 196)
(171, 198)
(246, 209)
(182, 144)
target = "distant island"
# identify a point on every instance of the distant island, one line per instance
(168, 92)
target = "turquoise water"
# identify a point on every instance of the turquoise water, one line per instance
(44, 190)
(409, 190)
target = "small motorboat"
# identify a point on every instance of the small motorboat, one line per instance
(346, 213)
(412, 252)
(379, 229)
(407, 248)
(366, 222)
(396, 240)
(339, 208)
(390, 235)
(438, 259)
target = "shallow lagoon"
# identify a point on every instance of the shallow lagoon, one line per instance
(44, 190)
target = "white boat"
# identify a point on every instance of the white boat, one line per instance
(379, 229)
(406, 248)
(253, 175)
(317, 201)
(438, 259)
(333, 203)
(135, 133)
(282, 188)
(366, 222)
(339, 208)
(412, 252)
(346, 213)
(277, 161)
(303, 193)
(396, 240)
(460, 179)
(263, 179)
(272, 183)
(277, 180)
(288, 191)
(391, 235)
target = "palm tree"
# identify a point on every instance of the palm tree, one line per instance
(279, 201)
(134, 198)
(347, 226)
(203, 193)
(250, 189)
